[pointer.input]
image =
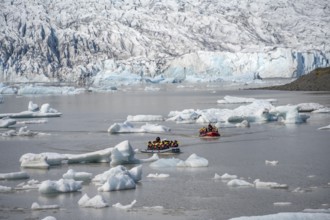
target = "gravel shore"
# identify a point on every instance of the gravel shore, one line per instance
(317, 80)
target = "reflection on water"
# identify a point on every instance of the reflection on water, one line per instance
(188, 193)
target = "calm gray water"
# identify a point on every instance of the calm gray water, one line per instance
(189, 193)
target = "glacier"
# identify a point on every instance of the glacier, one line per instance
(103, 44)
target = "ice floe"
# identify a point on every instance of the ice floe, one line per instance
(82, 176)
(6, 122)
(118, 178)
(239, 183)
(156, 175)
(127, 127)
(122, 153)
(270, 185)
(144, 118)
(22, 132)
(125, 207)
(192, 161)
(95, 202)
(239, 100)
(36, 206)
(60, 186)
(287, 216)
(5, 189)
(271, 162)
(257, 111)
(14, 176)
(34, 111)
(324, 128)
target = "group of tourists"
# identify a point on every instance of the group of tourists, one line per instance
(159, 144)
(209, 128)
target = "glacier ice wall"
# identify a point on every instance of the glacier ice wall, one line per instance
(94, 41)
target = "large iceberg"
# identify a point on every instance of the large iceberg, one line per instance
(118, 178)
(171, 41)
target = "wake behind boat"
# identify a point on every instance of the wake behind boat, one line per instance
(162, 146)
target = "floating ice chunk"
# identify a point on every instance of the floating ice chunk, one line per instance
(271, 162)
(120, 181)
(153, 208)
(31, 184)
(101, 156)
(322, 110)
(239, 183)
(237, 100)
(83, 176)
(5, 123)
(14, 176)
(127, 127)
(165, 162)
(33, 107)
(287, 216)
(119, 178)
(154, 157)
(289, 114)
(216, 176)
(4, 189)
(30, 160)
(120, 206)
(194, 161)
(227, 176)
(156, 175)
(309, 107)
(282, 203)
(324, 128)
(270, 185)
(60, 186)
(317, 210)
(49, 218)
(243, 124)
(36, 206)
(123, 153)
(95, 202)
(145, 118)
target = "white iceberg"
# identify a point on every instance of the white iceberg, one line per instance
(156, 175)
(128, 127)
(6, 122)
(192, 161)
(324, 128)
(144, 118)
(36, 206)
(271, 162)
(82, 176)
(238, 100)
(239, 183)
(123, 153)
(257, 111)
(287, 216)
(120, 206)
(95, 202)
(5, 189)
(270, 185)
(118, 178)
(60, 186)
(34, 161)
(100, 156)
(14, 176)
(227, 176)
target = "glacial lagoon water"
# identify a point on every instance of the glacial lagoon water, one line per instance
(188, 193)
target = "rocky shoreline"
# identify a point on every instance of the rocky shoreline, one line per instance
(317, 80)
